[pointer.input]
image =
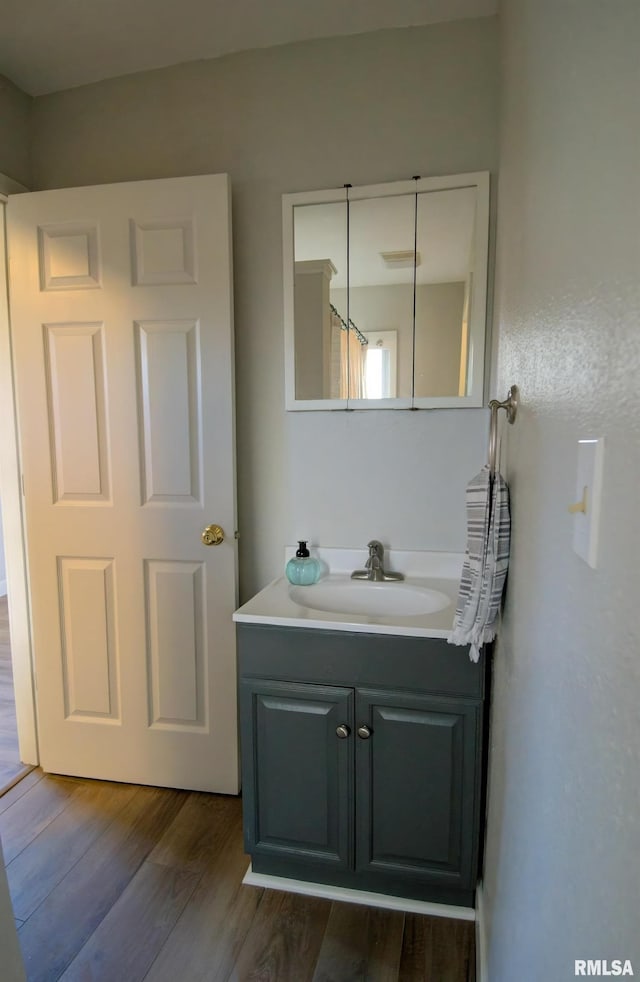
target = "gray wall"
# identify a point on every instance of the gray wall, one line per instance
(563, 854)
(15, 108)
(439, 309)
(363, 109)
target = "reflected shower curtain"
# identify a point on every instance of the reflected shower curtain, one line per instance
(347, 362)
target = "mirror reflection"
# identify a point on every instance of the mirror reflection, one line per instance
(380, 294)
(444, 278)
(320, 271)
(384, 305)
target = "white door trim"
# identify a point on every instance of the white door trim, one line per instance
(13, 520)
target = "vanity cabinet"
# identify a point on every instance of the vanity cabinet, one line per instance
(415, 786)
(362, 760)
(299, 771)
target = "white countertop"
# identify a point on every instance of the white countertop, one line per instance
(438, 571)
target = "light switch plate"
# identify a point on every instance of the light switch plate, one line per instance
(589, 476)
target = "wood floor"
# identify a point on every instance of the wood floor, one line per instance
(10, 766)
(120, 883)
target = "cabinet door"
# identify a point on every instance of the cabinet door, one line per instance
(297, 771)
(417, 802)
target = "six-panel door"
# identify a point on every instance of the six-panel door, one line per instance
(298, 771)
(123, 355)
(415, 786)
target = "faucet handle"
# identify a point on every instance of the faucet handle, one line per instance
(376, 550)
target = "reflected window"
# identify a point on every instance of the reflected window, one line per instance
(380, 365)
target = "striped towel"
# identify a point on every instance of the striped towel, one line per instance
(486, 562)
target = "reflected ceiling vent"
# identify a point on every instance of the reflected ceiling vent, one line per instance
(401, 259)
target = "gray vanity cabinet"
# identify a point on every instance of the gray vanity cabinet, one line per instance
(373, 782)
(415, 786)
(299, 772)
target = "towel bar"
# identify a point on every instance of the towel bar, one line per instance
(511, 406)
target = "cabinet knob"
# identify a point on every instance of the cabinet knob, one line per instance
(364, 732)
(343, 731)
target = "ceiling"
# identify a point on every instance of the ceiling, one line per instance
(47, 46)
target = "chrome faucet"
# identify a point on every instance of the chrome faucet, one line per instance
(373, 568)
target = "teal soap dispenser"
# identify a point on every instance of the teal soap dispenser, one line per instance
(303, 569)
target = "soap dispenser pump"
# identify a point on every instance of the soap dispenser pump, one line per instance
(303, 569)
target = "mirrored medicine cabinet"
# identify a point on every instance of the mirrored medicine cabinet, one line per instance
(385, 290)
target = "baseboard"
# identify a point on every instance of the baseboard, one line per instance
(3, 588)
(349, 896)
(482, 974)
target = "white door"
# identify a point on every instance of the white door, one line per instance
(123, 350)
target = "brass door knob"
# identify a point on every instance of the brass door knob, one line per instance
(213, 535)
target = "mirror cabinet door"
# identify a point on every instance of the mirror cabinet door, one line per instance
(385, 294)
(444, 279)
(320, 277)
(379, 299)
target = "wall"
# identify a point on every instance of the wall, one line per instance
(15, 108)
(3, 571)
(362, 109)
(312, 319)
(563, 848)
(439, 310)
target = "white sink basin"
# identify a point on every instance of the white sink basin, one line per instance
(341, 595)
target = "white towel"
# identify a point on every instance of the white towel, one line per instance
(486, 562)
